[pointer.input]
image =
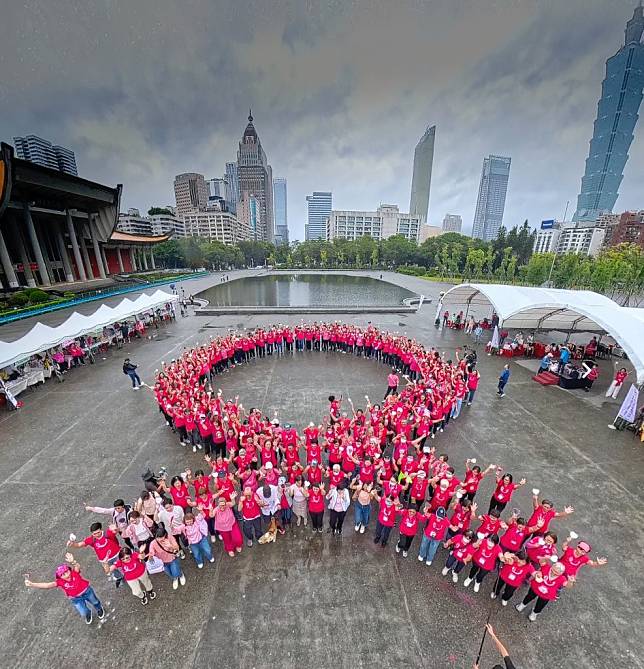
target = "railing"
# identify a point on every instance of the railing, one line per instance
(92, 295)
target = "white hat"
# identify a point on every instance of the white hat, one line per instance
(268, 465)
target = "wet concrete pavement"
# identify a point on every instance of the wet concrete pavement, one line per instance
(312, 600)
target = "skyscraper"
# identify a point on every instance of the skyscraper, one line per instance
(617, 113)
(232, 187)
(280, 206)
(422, 177)
(256, 179)
(320, 205)
(452, 223)
(40, 151)
(190, 192)
(491, 201)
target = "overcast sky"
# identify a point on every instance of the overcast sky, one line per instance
(341, 92)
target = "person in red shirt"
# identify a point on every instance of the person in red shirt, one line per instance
(386, 518)
(473, 478)
(251, 516)
(516, 532)
(77, 589)
(544, 587)
(409, 519)
(463, 548)
(106, 546)
(514, 572)
(434, 532)
(504, 490)
(574, 558)
(488, 553)
(315, 499)
(544, 512)
(135, 574)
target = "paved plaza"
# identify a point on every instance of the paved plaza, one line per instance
(312, 601)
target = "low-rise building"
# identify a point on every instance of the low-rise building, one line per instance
(216, 224)
(385, 222)
(134, 224)
(569, 237)
(628, 230)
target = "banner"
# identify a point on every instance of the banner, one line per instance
(628, 410)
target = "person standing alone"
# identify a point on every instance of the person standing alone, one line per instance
(129, 368)
(503, 380)
(392, 383)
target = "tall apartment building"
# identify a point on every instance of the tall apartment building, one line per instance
(190, 193)
(422, 176)
(385, 222)
(617, 114)
(568, 237)
(452, 223)
(319, 206)
(215, 224)
(42, 152)
(232, 187)
(490, 204)
(280, 205)
(629, 230)
(164, 224)
(256, 179)
(134, 223)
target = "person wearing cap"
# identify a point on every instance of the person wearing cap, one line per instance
(544, 587)
(77, 589)
(129, 368)
(575, 557)
(433, 534)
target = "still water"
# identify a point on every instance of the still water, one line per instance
(304, 290)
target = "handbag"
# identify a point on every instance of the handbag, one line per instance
(154, 565)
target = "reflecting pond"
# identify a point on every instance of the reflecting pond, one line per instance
(303, 290)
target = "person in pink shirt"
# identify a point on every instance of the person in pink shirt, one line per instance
(165, 547)
(226, 525)
(195, 530)
(392, 383)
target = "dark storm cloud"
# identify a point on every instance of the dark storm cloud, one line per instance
(340, 91)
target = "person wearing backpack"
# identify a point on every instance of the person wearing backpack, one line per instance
(129, 368)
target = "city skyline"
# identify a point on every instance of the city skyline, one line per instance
(524, 81)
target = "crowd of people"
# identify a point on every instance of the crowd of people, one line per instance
(260, 478)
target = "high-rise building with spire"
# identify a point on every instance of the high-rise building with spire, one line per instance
(256, 179)
(422, 177)
(617, 113)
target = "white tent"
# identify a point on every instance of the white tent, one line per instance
(42, 337)
(527, 308)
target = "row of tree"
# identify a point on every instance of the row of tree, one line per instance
(618, 271)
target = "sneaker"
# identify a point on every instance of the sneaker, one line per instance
(493, 595)
(132, 389)
(194, 449)
(199, 446)
(152, 594)
(212, 559)
(428, 563)
(200, 566)
(182, 579)
(477, 586)
(101, 614)
(467, 582)
(182, 554)
(321, 530)
(397, 548)
(454, 577)
(357, 528)
(213, 538)
(520, 607)
(175, 583)
(144, 600)
(445, 571)
(420, 558)
(362, 529)
(88, 618)
(533, 617)
(249, 543)
(469, 404)
(504, 602)
(404, 553)
(502, 395)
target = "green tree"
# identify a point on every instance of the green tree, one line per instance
(153, 211)
(169, 254)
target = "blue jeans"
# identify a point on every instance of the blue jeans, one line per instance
(173, 569)
(470, 396)
(201, 550)
(88, 597)
(457, 408)
(134, 377)
(428, 548)
(362, 512)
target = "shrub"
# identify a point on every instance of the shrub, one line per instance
(69, 295)
(37, 296)
(19, 299)
(412, 270)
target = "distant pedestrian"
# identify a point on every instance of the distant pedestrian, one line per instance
(129, 368)
(478, 333)
(617, 383)
(503, 380)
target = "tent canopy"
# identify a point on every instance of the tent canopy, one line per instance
(43, 337)
(528, 308)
